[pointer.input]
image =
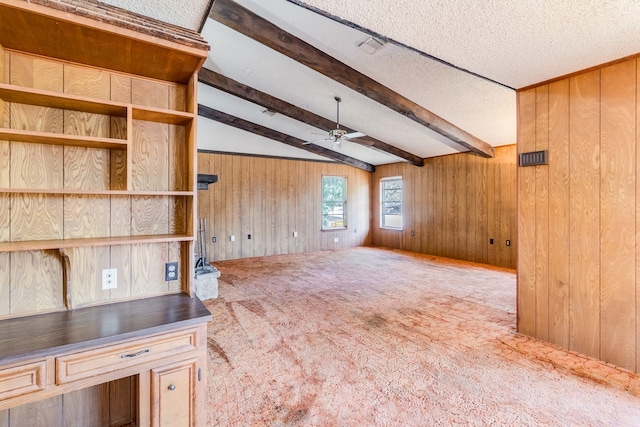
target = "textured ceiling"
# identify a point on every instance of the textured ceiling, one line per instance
(506, 44)
(183, 13)
(517, 43)
(483, 108)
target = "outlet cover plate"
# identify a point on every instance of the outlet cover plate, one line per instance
(109, 278)
(171, 271)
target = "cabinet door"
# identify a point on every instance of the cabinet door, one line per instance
(173, 394)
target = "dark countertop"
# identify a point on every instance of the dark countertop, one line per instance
(53, 333)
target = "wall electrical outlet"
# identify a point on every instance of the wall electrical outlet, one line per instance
(295, 234)
(336, 240)
(232, 238)
(109, 278)
(171, 271)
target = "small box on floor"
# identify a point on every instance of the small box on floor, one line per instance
(207, 284)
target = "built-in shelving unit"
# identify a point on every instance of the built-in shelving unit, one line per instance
(98, 111)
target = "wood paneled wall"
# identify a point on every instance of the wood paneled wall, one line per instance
(578, 266)
(453, 206)
(270, 199)
(31, 281)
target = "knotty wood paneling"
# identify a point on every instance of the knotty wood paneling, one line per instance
(585, 214)
(272, 198)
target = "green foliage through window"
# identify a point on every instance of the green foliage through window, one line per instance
(334, 202)
(391, 215)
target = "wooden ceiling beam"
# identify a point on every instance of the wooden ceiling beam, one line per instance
(257, 129)
(240, 19)
(230, 86)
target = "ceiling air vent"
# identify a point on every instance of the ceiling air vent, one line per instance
(371, 45)
(534, 158)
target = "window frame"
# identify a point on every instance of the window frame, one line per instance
(383, 201)
(344, 203)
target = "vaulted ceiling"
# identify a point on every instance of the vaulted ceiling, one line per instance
(442, 82)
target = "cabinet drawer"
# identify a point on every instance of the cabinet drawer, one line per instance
(22, 379)
(98, 361)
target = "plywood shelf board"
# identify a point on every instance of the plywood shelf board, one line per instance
(62, 139)
(95, 192)
(161, 115)
(43, 98)
(38, 245)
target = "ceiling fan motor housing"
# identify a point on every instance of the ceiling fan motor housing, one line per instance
(337, 134)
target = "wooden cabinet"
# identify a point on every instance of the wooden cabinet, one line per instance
(98, 114)
(173, 389)
(22, 379)
(159, 343)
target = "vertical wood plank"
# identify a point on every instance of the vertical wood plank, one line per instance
(87, 407)
(246, 217)
(122, 401)
(86, 275)
(147, 276)
(236, 217)
(542, 216)
(492, 212)
(36, 282)
(121, 92)
(584, 257)
(36, 217)
(86, 216)
(43, 413)
(526, 297)
(5, 283)
(149, 215)
(36, 165)
(559, 213)
(637, 296)
(150, 155)
(149, 93)
(617, 214)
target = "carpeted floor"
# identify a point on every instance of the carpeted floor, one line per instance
(376, 337)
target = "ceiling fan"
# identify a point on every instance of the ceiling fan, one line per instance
(338, 135)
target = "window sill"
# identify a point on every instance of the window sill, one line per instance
(392, 228)
(334, 229)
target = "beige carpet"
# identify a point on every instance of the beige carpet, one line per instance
(375, 337)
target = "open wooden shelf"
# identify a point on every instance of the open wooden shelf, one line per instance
(62, 139)
(94, 192)
(39, 245)
(43, 98)
(160, 115)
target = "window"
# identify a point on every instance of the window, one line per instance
(391, 202)
(334, 202)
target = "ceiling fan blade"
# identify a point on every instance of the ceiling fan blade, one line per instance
(317, 140)
(353, 135)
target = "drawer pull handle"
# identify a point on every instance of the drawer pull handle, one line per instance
(124, 356)
(172, 387)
